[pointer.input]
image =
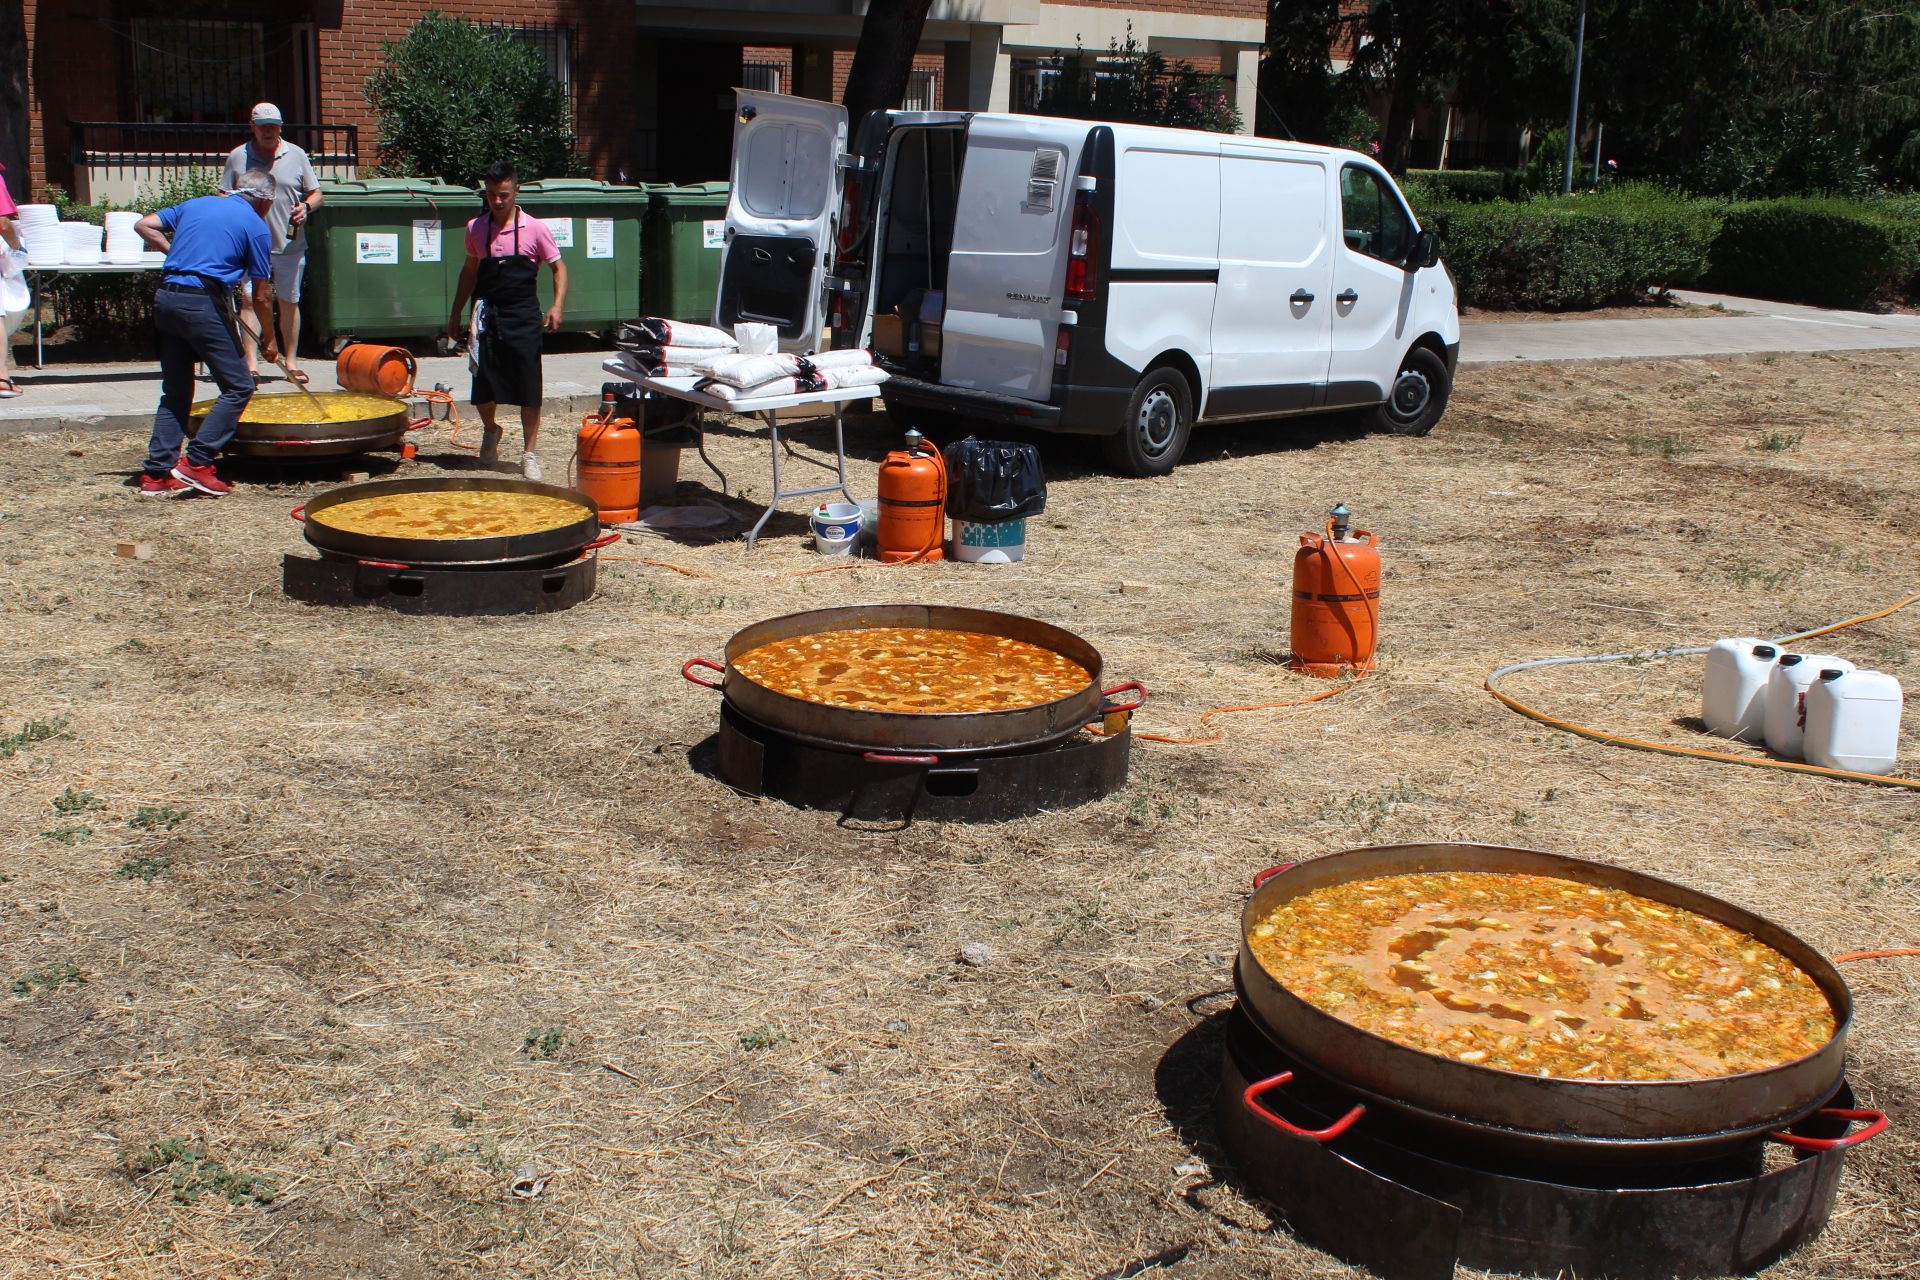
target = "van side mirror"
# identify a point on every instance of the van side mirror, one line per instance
(1425, 251)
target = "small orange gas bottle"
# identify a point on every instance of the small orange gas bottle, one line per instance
(1336, 598)
(608, 455)
(913, 502)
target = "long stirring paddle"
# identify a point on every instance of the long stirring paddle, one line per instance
(320, 408)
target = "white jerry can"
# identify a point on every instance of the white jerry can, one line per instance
(1733, 692)
(1785, 727)
(1853, 721)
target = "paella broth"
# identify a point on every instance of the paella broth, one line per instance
(1543, 975)
(297, 408)
(917, 670)
(451, 513)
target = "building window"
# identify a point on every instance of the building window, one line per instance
(923, 91)
(763, 76)
(1034, 80)
(555, 45)
(191, 70)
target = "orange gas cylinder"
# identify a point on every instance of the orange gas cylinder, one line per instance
(1336, 599)
(913, 501)
(382, 371)
(608, 458)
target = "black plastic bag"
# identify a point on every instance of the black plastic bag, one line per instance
(991, 480)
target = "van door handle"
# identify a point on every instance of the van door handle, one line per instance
(1346, 297)
(1301, 297)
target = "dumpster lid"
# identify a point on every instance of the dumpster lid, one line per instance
(578, 187)
(394, 190)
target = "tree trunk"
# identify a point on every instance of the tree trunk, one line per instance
(884, 58)
(14, 123)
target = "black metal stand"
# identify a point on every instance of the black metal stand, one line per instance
(1376, 1198)
(448, 592)
(980, 787)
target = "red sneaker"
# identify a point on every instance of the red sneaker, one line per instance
(152, 486)
(201, 478)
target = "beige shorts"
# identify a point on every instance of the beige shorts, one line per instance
(289, 264)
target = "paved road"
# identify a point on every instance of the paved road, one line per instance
(117, 396)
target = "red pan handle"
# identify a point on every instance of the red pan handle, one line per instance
(604, 540)
(299, 513)
(881, 757)
(1877, 1123)
(1130, 686)
(1261, 877)
(419, 424)
(384, 564)
(687, 667)
(293, 444)
(1252, 1096)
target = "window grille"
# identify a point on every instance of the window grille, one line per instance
(923, 91)
(764, 76)
(188, 69)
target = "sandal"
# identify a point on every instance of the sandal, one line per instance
(9, 389)
(299, 376)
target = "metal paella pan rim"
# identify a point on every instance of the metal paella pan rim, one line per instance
(1712, 1108)
(527, 550)
(852, 728)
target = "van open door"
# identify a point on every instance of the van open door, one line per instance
(780, 214)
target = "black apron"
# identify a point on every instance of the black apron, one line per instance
(508, 329)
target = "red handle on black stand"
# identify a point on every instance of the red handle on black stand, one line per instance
(1877, 1123)
(1253, 1092)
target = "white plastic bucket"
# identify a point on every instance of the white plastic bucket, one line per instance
(1003, 542)
(1733, 699)
(1786, 720)
(1853, 721)
(836, 528)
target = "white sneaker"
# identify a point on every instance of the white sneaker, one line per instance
(530, 467)
(490, 447)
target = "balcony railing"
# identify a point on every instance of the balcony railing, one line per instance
(112, 159)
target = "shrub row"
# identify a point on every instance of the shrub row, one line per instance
(1592, 250)
(1460, 186)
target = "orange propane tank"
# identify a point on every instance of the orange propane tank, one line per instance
(384, 371)
(1336, 599)
(608, 458)
(913, 501)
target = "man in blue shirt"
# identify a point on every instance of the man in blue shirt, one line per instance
(211, 243)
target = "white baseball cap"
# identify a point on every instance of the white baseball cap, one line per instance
(266, 113)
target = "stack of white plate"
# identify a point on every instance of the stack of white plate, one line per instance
(123, 242)
(40, 235)
(82, 242)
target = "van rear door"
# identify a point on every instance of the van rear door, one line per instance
(780, 214)
(1007, 272)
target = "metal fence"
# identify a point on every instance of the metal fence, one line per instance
(112, 159)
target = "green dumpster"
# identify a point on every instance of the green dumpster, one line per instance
(684, 237)
(385, 258)
(597, 226)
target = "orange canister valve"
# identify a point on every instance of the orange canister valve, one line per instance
(1336, 598)
(913, 501)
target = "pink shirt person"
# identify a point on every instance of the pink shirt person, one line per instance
(536, 241)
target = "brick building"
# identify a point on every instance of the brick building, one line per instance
(121, 91)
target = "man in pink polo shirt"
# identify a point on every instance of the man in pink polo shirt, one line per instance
(505, 248)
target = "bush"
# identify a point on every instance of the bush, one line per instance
(1785, 158)
(1566, 253)
(443, 94)
(1546, 168)
(1826, 251)
(1464, 186)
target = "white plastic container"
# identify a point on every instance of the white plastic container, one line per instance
(1853, 721)
(1003, 542)
(1733, 693)
(1786, 698)
(836, 528)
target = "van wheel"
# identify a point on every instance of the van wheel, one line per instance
(1418, 396)
(1154, 432)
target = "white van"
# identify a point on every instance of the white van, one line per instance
(1106, 279)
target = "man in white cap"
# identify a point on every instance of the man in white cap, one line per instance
(297, 194)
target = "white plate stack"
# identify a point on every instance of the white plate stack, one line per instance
(40, 234)
(123, 242)
(82, 242)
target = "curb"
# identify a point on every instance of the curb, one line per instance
(553, 410)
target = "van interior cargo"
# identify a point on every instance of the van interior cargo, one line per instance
(916, 236)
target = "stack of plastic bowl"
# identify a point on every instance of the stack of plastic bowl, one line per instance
(82, 241)
(40, 235)
(123, 242)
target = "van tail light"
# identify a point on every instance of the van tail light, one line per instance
(852, 220)
(1083, 245)
(1062, 347)
(838, 317)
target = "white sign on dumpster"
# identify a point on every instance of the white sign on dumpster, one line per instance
(562, 229)
(426, 239)
(377, 248)
(713, 235)
(599, 237)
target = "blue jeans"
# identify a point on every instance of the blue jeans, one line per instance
(195, 327)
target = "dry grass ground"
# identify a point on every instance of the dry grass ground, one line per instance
(382, 910)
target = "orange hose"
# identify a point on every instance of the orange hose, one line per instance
(1876, 955)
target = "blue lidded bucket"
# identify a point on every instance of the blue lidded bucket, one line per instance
(836, 528)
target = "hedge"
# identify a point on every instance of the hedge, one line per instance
(1567, 253)
(1827, 251)
(1461, 186)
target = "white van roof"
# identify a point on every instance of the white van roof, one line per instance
(1137, 134)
